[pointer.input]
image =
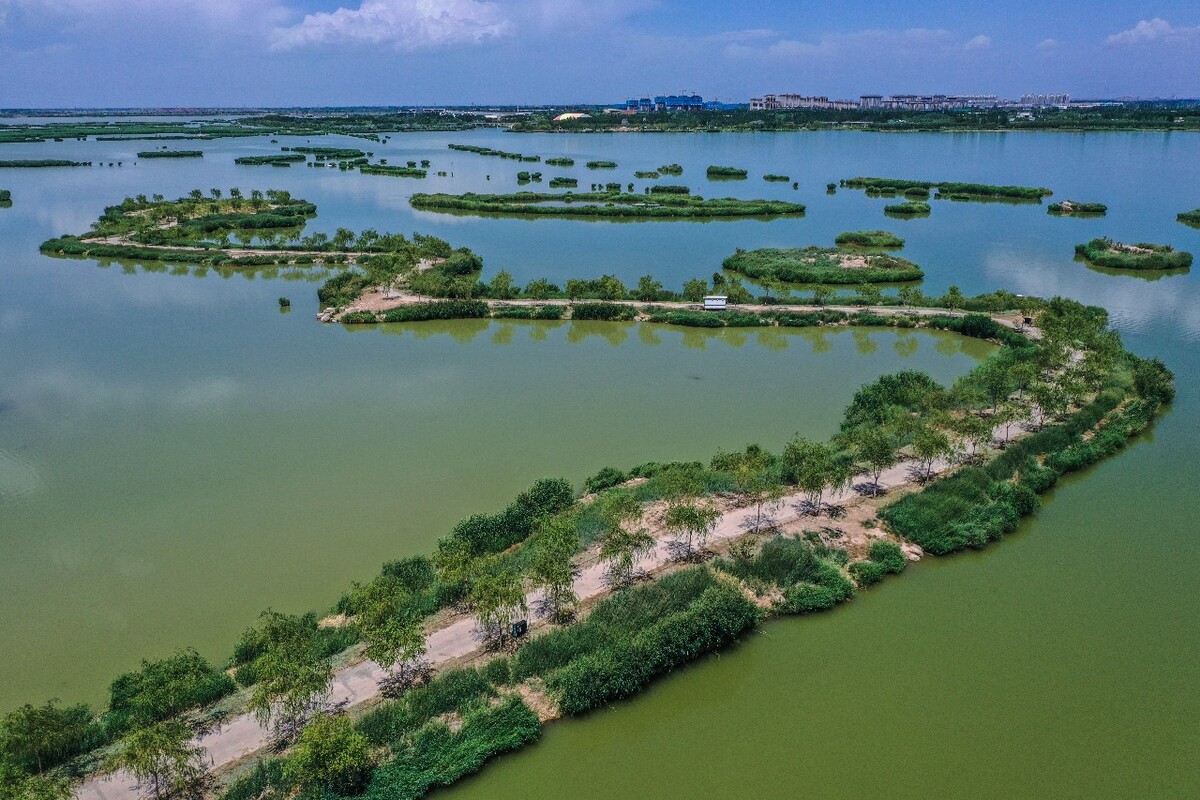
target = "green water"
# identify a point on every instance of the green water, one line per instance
(176, 455)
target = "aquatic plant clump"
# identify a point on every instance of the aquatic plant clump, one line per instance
(560, 162)
(487, 151)
(25, 163)
(884, 186)
(604, 205)
(821, 265)
(5, 196)
(1075, 208)
(1190, 217)
(670, 169)
(1144, 255)
(771, 178)
(601, 165)
(279, 160)
(171, 154)
(726, 172)
(869, 239)
(393, 171)
(909, 208)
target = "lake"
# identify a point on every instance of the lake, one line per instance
(176, 454)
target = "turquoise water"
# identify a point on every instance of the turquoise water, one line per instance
(176, 454)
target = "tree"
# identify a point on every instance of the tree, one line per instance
(911, 295)
(821, 295)
(293, 676)
(975, 432)
(648, 290)
(331, 756)
(625, 541)
(928, 445)
(1004, 417)
(36, 738)
(18, 785)
(1049, 401)
(540, 289)
(953, 298)
(551, 570)
(875, 448)
(752, 476)
(502, 286)
(811, 466)
(736, 291)
(497, 598)
(691, 522)
(164, 760)
(390, 623)
(694, 290)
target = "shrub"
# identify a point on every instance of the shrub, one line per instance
(869, 239)
(867, 573)
(666, 188)
(438, 757)
(602, 311)
(717, 618)
(163, 688)
(358, 318)
(458, 690)
(444, 309)
(888, 555)
(330, 755)
(606, 478)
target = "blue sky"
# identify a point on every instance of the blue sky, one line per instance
(383, 52)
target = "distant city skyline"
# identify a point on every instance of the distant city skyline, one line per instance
(57, 53)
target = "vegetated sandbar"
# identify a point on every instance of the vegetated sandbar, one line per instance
(1142, 256)
(908, 208)
(275, 160)
(573, 558)
(1189, 217)
(487, 151)
(1069, 208)
(948, 189)
(604, 205)
(42, 162)
(822, 265)
(195, 230)
(171, 154)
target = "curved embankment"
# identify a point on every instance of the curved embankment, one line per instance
(971, 507)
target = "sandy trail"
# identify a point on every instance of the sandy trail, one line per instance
(242, 735)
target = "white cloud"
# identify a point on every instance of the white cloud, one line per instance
(980, 42)
(405, 24)
(1154, 30)
(911, 41)
(1047, 44)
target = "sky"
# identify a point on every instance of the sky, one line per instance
(185, 53)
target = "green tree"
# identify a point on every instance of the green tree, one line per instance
(648, 290)
(497, 598)
(36, 738)
(330, 756)
(293, 676)
(390, 623)
(928, 445)
(874, 446)
(502, 286)
(975, 433)
(164, 760)
(540, 289)
(953, 298)
(625, 539)
(694, 290)
(551, 569)
(691, 523)
(821, 295)
(812, 467)
(18, 785)
(737, 292)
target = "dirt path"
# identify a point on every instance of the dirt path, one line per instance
(376, 300)
(242, 735)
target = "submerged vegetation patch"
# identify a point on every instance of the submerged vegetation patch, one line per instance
(487, 151)
(734, 173)
(277, 160)
(25, 163)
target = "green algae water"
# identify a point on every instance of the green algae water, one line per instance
(176, 455)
